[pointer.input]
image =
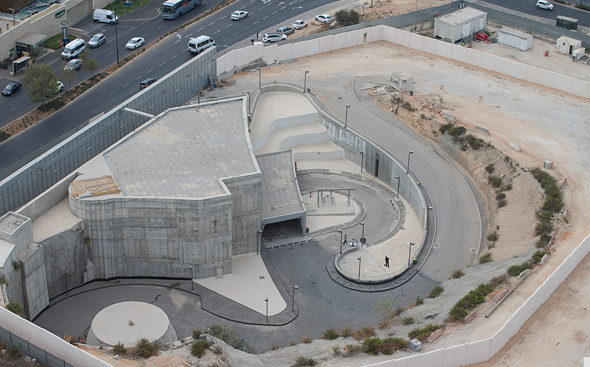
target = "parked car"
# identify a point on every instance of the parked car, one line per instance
(239, 14)
(324, 18)
(134, 43)
(298, 24)
(73, 64)
(60, 86)
(544, 4)
(12, 88)
(285, 30)
(273, 37)
(97, 40)
(146, 83)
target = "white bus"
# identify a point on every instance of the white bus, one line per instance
(172, 9)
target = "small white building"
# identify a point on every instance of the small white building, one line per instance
(513, 38)
(566, 45)
(460, 24)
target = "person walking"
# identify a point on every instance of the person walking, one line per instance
(252, 40)
(386, 261)
(259, 36)
(345, 241)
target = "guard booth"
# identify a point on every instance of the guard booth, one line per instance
(20, 64)
(29, 44)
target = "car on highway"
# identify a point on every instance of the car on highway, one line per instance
(97, 40)
(74, 64)
(324, 18)
(239, 14)
(273, 37)
(60, 86)
(146, 83)
(298, 24)
(134, 43)
(12, 88)
(285, 30)
(544, 4)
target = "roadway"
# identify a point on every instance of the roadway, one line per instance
(156, 62)
(528, 7)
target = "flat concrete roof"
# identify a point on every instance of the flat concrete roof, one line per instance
(184, 152)
(514, 32)
(280, 191)
(460, 16)
(9, 223)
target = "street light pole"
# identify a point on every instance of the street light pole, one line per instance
(359, 259)
(266, 309)
(410, 254)
(293, 308)
(305, 80)
(340, 231)
(409, 154)
(362, 160)
(346, 117)
(363, 235)
(116, 34)
(192, 277)
(66, 276)
(259, 78)
(397, 177)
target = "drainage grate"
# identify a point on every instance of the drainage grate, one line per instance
(473, 250)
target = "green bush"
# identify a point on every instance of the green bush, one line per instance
(422, 333)
(436, 291)
(553, 202)
(13, 353)
(346, 18)
(419, 301)
(515, 270)
(330, 334)
(502, 203)
(445, 127)
(470, 301)
(493, 236)
(4, 135)
(544, 215)
(490, 168)
(374, 346)
(226, 333)
(458, 273)
(198, 347)
(538, 255)
(583, 7)
(197, 333)
(408, 106)
(15, 308)
(543, 240)
(486, 258)
(474, 142)
(408, 320)
(217, 350)
(500, 196)
(495, 181)
(146, 349)
(543, 228)
(507, 187)
(346, 332)
(119, 348)
(304, 361)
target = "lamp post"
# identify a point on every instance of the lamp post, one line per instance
(293, 308)
(397, 177)
(362, 160)
(340, 231)
(363, 233)
(409, 154)
(192, 277)
(266, 300)
(66, 276)
(13, 21)
(410, 254)
(359, 259)
(116, 34)
(305, 80)
(346, 116)
(259, 78)
(248, 93)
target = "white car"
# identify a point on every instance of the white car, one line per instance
(273, 37)
(239, 14)
(73, 64)
(324, 18)
(134, 43)
(60, 86)
(544, 4)
(97, 40)
(298, 24)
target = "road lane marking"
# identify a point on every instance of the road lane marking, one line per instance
(247, 27)
(12, 109)
(102, 99)
(227, 26)
(200, 29)
(145, 34)
(112, 52)
(111, 95)
(225, 39)
(266, 17)
(162, 63)
(159, 26)
(149, 71)
(217, 31)
(223, 17)
(256, 22)
(125, 85)
(274, 12)
(212, 23)
(282, 8)
(138, 77)
(173, 57)
(188, 35)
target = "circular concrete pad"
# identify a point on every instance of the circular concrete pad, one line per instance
(112, 325)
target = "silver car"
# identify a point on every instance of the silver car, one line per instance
(97, 40)
(285, 30)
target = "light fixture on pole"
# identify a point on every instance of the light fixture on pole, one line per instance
(409, 154)
(410, 254)
(397, 177)
(359, 259)
(13, 21)
(340, 231)
(116, 34)
(293, 308)
(192, 277)
(259, 78)
(346, 116)
(266, 300)
(363, 240)
(305, 80)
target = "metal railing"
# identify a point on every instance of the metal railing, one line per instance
(41, 356)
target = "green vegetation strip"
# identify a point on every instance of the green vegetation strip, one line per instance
(471, 300)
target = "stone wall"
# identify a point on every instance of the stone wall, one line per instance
(35, 282)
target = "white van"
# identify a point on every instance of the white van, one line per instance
(200, 44)
(73, 49)
(105, 16)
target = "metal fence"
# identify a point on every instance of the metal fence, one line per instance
(40, 355)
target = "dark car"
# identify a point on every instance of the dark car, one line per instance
(12, 88)
(286, 30)
(146, 83)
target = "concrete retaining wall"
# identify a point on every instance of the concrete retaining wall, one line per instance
(281, 123)
(305, 139)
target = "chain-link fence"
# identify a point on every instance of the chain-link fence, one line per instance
(41, 356)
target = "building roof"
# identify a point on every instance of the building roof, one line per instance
(461, 16)
(182, 153)
(281, 198)
(32, 38)
(514, 32)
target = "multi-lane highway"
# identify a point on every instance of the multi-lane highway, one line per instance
(154, 63)
(528, 7)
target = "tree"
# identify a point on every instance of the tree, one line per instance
(68, 75)
(41, 82)
(88, 63)
(346, 18)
